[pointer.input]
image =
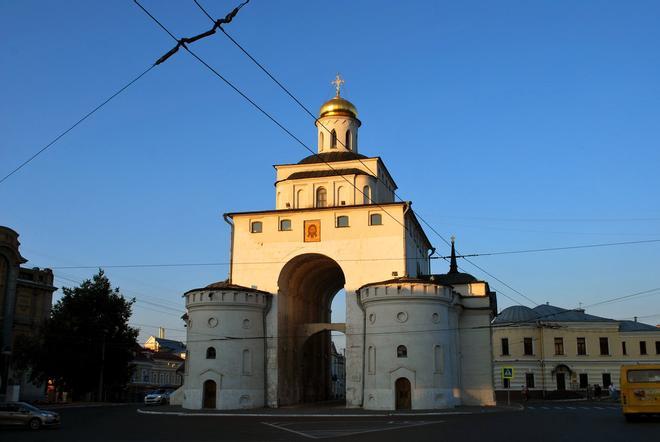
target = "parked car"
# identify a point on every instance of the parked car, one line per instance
(21, 413)
(158, 397)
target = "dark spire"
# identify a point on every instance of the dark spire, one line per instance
(453, 267)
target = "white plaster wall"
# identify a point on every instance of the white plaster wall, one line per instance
(476, 357)
(419, 320)
(382, 188)
(237, 385)
(365, 254)
(341, 125)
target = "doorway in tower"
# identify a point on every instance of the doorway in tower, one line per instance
(209, 393)
(402, 394)
(306, 360)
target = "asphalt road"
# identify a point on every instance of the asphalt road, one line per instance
(538, 422)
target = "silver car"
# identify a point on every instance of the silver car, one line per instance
(21, 413)
(158, 397)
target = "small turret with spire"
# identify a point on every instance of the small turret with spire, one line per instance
(453, 265)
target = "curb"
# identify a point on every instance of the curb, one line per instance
(95, 405)
(316, 415)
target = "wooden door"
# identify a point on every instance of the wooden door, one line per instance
(561, 381)
(209, 394)
(402, 393)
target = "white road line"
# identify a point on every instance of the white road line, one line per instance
(290, 431)
(274, 415)
(572, 408)
(546, 408)
(532, 408)
(599, 408)
(322, 434)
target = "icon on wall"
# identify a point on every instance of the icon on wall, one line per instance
(313, 230)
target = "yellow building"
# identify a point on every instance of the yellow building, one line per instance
(559, 352)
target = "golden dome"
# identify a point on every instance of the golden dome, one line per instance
(338, 107)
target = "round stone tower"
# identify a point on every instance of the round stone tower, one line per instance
(225, 339)
(410, 345)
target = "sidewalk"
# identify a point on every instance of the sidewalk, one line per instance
(67, 405)
(311, 411)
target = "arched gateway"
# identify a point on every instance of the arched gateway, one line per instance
(269, 323)
(307, 284)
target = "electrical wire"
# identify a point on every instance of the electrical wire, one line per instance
(318, 122)
(260, 109)
(89, 114)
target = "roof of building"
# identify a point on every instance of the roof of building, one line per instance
(226, 285)
(328, 157)
(515, 314)
(631, 326)
(324, 173)
(338, 106)
(547, 312)
(174, 346)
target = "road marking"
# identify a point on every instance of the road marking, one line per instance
(599, 408)
(572, 408)
(290, 430)
(321, 433)
(532, 408)
(274, 415)
(546, 408)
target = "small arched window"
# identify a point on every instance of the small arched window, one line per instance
(333, 139)
(321, 197)
(348, 139)
(300, 199)
(256, 227)
(320, 140)
(342, 221)
(401, 351)
(210, 353)
(366, 195)
(375, 219)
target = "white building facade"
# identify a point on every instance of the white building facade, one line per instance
(336, 225)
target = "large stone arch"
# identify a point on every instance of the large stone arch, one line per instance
(306, 286)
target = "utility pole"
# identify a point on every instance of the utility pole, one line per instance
(100, 392)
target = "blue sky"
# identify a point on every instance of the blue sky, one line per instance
(512, 125)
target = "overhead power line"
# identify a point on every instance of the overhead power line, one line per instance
(259, 108)
(554, 249)
(262, 110)
(86, 116)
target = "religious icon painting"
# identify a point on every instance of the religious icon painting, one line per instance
(313, 230)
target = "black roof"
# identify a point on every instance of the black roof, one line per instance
(226, 285)
(327, 157)
(327, 172)
(453, 278)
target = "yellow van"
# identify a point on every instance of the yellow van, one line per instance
(640, 390)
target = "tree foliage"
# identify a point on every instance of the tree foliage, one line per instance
(87, 330)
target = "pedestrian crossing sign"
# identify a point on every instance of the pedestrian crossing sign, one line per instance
(507, 372)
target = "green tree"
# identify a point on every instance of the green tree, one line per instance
(87, 338)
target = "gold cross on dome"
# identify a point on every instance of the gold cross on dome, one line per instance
(338, 81)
